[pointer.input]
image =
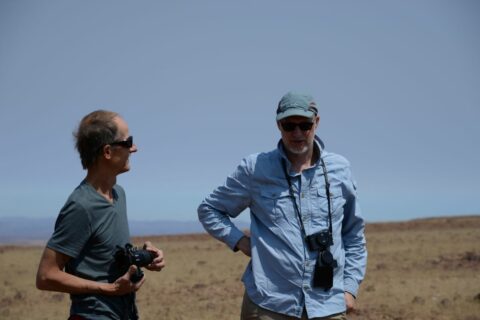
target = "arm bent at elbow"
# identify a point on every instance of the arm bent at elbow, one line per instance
(50, 276)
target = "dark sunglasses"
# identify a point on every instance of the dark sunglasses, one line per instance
(128, 143)
(290, 126)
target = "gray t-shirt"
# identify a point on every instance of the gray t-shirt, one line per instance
(89, 229)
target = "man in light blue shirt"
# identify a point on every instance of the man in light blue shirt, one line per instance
(306, 243)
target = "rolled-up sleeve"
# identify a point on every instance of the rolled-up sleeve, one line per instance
(226, 202)
(353, 239)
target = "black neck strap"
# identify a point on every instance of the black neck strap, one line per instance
(327, 191)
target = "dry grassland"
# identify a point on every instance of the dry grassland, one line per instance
(425, 269)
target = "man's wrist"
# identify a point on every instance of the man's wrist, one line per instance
(104, 288)
(237, 245)
(233, 238)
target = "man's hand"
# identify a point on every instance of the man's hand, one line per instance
(350, 302)
(244, 245)
(158, 262)
(123, 285)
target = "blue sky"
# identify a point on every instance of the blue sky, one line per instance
(397, 84)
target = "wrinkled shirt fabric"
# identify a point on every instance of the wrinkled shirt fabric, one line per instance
(280, 273)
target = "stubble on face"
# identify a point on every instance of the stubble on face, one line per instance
(296, 150)
(299, 142)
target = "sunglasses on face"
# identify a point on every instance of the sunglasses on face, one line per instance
(290, 126)
(128, 143)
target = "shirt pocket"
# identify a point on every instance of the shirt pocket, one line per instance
(277, 204)
(321, 204)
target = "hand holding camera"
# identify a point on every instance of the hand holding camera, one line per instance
(158, 262)
(130, 256)
(125, 285)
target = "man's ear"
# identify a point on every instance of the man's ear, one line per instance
(107, 151)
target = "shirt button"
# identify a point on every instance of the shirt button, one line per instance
(303, 195)
(306, 286)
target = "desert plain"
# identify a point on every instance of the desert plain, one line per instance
(420, 269)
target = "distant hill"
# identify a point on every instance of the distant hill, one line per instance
(15, 230)
(169, 227)
(23, 230)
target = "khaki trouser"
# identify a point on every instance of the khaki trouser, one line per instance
(250, 311)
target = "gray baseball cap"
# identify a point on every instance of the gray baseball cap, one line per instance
(296, 104)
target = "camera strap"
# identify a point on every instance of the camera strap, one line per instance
(327, 191)
(329, 196)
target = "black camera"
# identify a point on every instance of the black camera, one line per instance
(125, 257)
(323, 276)
(319, 241)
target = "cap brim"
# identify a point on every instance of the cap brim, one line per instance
(295, 112)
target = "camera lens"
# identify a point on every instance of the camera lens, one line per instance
(143, 258)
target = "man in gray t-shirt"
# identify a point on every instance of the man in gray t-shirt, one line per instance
(92, 226)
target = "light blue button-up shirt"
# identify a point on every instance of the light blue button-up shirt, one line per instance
(280, 272)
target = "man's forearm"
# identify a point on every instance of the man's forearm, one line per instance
(219, 225)
(50, 276)
(64, 282)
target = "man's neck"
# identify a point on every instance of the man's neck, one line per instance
(102, 182)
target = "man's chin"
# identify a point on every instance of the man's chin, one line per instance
(298, 151)
(124, 169)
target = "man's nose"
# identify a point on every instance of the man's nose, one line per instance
(297, 131)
